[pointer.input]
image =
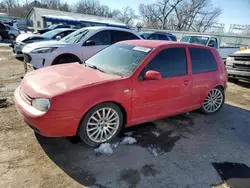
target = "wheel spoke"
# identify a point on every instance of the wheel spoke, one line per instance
(101, 135)
(91, 129)
(105, 134)
(103, 113)
(109, 127)
(108, 113)
(108, 131)
(111, 116)
(99, 116)
(96, 120)
(93, 124)
(94, 133)
(98, 133)
(112, 119)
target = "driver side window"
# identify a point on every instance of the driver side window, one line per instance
(169, 62)
(100, 38)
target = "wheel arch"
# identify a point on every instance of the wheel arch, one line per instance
(65, 54)
(122, 108)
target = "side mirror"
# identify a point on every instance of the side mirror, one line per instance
(58, 38)
(89, 43)
(152, 75)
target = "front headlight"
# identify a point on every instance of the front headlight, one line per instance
(41, 104)
(44, 50)
(230, 58)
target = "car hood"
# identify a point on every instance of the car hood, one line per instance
(243, 52)
(51, 81)
(43, 44)
(23, 36)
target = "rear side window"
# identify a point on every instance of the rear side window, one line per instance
(202, 60)
(163, 37)
(117, 36)
(101, 38)
(169, 62)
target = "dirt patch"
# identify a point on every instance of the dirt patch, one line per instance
(130, 176)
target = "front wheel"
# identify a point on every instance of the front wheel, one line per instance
(214, 101)
(65, 59)
(12, 37)
(101, 124)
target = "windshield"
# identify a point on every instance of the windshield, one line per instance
(75, 37)
(119, 59)
(52, 27)
(145, 35)
(195, 39)
(51, 34)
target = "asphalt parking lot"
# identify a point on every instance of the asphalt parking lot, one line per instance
(189, 144)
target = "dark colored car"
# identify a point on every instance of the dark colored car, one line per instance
(151, 35)
(3, 32)
(52, 27)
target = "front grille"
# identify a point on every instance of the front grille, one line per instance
(26, 97)
(241, 67)
(242, 58)
(27, 58)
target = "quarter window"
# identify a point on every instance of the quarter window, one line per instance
(169, 62)
(202, 60)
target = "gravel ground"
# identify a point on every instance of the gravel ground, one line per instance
(189, 143)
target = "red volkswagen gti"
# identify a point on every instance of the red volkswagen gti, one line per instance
(128, 83)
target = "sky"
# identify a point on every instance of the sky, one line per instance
(234, 11)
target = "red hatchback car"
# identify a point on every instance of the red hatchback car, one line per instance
(128, 83)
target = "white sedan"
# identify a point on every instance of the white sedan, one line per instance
(76, 47)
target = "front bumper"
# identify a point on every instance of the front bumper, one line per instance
(17, 49)
(245, 75)
(38, 60)
(51, 123)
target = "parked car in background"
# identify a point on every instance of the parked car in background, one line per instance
(211, 41)
(13, 32)
(3, 32)
(238, 65)
(128, 83)
(52, 27)
(76, 47)
(151, 35)
(28, 38)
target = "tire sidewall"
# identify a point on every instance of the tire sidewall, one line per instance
(59, 60)
(223, 101)
(83, 124)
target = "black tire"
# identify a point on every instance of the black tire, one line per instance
(65, 59)
(12, 37)
(205, 111)
(1, 38)
(82, 132)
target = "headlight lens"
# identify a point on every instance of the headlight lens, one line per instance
(44, 50)
(230, 58)
(41, 104)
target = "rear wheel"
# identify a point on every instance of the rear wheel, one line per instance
(1, 38)
(101, 124)
(65, 59)
(214, 101)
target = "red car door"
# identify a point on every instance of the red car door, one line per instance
(153, 99)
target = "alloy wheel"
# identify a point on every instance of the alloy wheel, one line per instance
(213, 101)
(102, 125)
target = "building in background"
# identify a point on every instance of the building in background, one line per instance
(41, 18)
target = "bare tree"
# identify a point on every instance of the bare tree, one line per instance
(126, 15)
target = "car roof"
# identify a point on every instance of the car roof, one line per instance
(157, 32)
(199, 36)
(64, 29)
(159, 43)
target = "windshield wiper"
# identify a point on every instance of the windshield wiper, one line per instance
(95, 67)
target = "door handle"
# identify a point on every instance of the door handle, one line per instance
(186, 82)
